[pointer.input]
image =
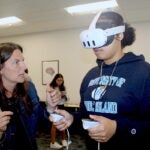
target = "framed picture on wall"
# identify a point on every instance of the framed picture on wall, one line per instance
(49, 70)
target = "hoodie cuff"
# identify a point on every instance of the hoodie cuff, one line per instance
(123, 128)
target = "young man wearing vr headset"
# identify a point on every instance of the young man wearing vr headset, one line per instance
(116, 93)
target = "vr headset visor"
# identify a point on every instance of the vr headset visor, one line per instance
(97, 37)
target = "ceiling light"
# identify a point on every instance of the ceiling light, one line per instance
(91, 7)
(9, 20)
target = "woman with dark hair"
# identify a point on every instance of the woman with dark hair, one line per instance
(20, 110)
(115, 93)
(58, 84)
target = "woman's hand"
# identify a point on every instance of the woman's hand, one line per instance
(5, 117)
(104, 131)
(65, 122)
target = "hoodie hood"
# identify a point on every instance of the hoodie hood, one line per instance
(127, 58)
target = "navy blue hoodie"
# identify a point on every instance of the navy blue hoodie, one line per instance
(126, 100)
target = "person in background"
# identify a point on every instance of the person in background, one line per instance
(115, 93)
(20, 110)
(58, 84)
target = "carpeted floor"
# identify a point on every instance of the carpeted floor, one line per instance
(43, 141)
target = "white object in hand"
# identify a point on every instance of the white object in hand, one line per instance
(56, 117)
(88, 123)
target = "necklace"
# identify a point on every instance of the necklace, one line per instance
(100, 90)
(101, 73)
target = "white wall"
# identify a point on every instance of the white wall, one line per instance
(141, 46)
(74, 60)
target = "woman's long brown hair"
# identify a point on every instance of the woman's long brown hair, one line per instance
(20, 92)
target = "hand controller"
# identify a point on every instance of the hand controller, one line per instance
(56, 117)
(89, 123)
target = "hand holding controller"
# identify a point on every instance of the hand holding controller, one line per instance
(56, 117)
(88, 123)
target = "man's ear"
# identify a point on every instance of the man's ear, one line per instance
(119, 36)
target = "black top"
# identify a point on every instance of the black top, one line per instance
(20, 139)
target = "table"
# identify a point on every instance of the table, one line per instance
(71, 107)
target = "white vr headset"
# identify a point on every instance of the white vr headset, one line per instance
(96, 37)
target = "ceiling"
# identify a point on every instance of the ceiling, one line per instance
(49, 15)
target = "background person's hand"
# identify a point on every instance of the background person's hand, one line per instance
(53, 97)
